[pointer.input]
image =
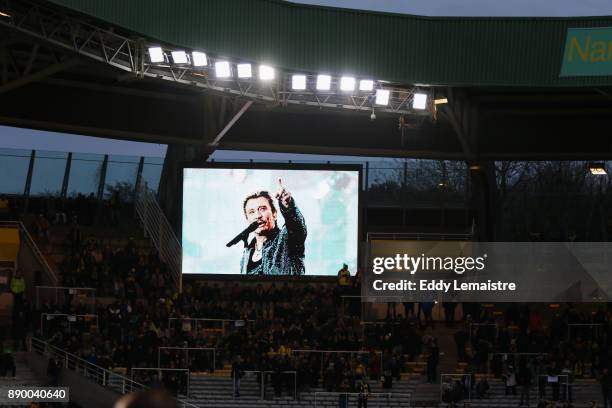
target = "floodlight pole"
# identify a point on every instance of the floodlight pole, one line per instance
(215, 142)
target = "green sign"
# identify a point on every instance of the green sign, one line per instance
(588, 52)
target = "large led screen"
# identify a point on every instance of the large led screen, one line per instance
(256, 221)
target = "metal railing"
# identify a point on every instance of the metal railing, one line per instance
(205, 320)
(65, 290)
(186, 350)
(262, 379)
(69, 318)
(456, 377)
(101, 376)
(27, 238)
(401, 398)
(350, 353)
(159, 230)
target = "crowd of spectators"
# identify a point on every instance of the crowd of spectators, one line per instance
(527, 350)
(261, 327)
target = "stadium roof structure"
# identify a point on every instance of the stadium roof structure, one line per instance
(82, 66)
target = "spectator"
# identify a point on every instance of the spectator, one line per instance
(7, 364)
(344, 276)
(363, 389)
(5, 209)
(510, 381)
(525, 381)
(432, 362)
(460, 342)
(343, 396)
(482, 388)
(606, 387)
(237, 373)
(18, 286)
(53, 372)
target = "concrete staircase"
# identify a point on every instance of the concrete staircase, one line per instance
(209, 391)
(217, 391)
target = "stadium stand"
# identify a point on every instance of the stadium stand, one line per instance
(270, 332)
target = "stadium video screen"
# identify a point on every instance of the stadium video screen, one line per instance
(266, 221)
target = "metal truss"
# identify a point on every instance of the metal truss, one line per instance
(108, 46)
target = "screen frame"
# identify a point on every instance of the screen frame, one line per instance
(272, 166)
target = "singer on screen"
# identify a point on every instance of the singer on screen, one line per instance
(274, 250)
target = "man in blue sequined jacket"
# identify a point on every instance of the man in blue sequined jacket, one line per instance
(274, 250)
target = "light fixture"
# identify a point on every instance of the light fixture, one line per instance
(474, 167)
(222, 69)
(4, 14)
(156, 54)
(598, 168)
(440, 101)
(180, 57)
(382, 97)
(323, 82)
(244, 70)
(199, 59)
(366, 85)
(266, 73)
(298, 82)
(419, 101)
(347, 84)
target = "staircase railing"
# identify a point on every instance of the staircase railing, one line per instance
(100, 375)
(27, 239)
(158, 229)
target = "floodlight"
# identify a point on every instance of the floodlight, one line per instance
(382, 97)
(156, 54)
(366, 85)
(266, 73)
(244, 70)
(347, 84)
(298, 82)
(179, 57)
(222, 69)
(419, 101)
(323, 82)
(598, 168)
(199, 59)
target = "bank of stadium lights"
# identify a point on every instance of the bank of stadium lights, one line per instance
(419, 101)
(266, 73)
(323, 82)
(156, 55)
(298, 82)
(199, 59)
(244, 71)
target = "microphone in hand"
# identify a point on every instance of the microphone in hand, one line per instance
(244, 235)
